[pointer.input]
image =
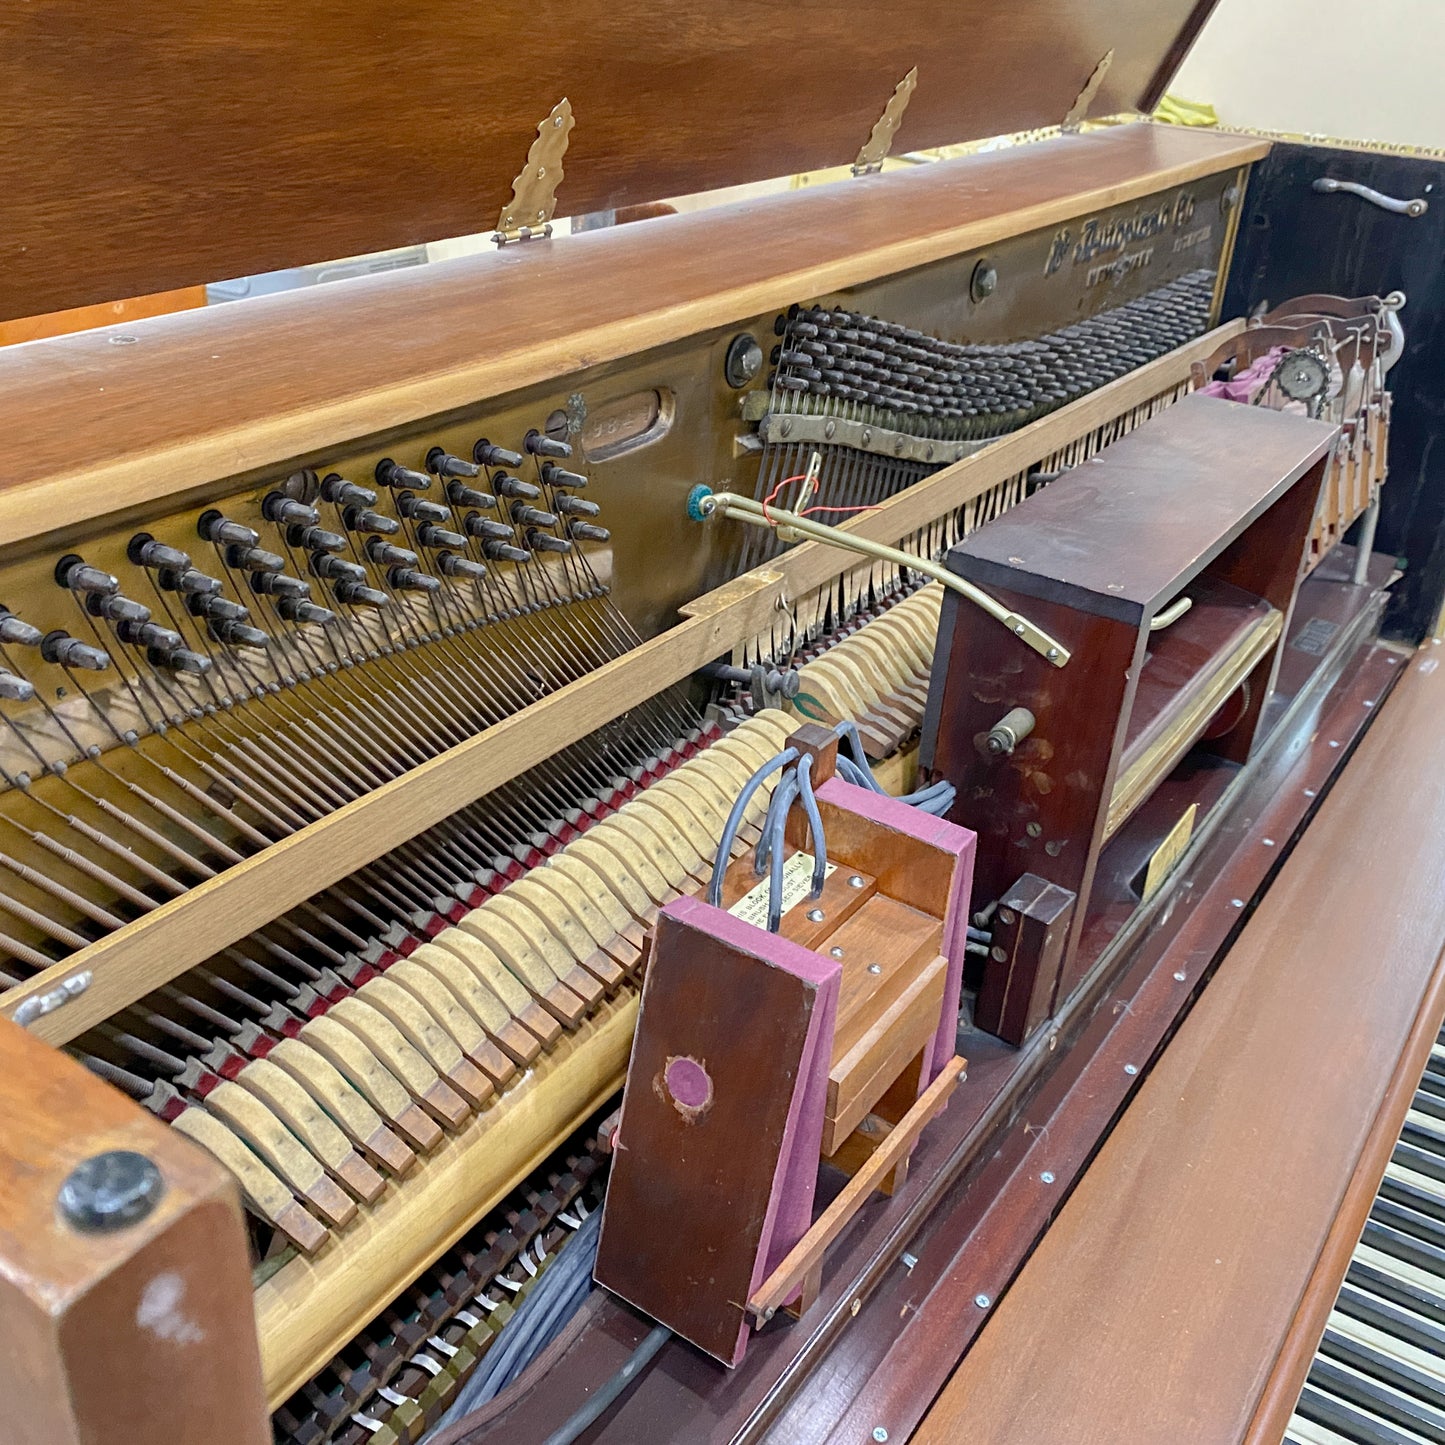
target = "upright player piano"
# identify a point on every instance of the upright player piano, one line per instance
(873, 645)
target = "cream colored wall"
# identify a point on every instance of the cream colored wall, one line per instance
(1349, 69)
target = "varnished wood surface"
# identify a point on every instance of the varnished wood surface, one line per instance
(1156, 1305)
(191, 143)
(93, 427)
(187, 930)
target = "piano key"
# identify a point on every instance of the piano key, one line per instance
(1409, 1221)
(1398, 1281)
(1350, 1422)
(1383, 1356)
(1375, 1397)
(1401, 1323)
(1306, 1432)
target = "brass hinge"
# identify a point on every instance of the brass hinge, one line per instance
(880, 138)
(528, 215)
(1085, 99)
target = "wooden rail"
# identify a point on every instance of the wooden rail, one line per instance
(133, 960)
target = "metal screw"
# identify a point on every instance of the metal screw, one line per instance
(1236, 902)
(815, 915)
(855, 881)
(786, 428)
(1019, 630)
(109, 1191)
(867, 435)
(1309, 792)
(1005, 916)
(875, 968)
(1053, 654)
(982, 1301)
(909, 1260)
(1131, 1069)
(998, 954)
(835, 952)
(1334, 743)
(1268, 842)
(1179, 977)
(1047, 1176)
(880, 1434)
(1034, 829)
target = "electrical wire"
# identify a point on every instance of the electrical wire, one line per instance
(587, 1415)
(735, 817)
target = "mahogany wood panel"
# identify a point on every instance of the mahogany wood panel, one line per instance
(107, 313)
(192, 142)
(93, 427)
(130, 1336)
(1157, 1304)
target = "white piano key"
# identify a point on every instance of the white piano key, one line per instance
(1389, 1345)
(1305, 1432)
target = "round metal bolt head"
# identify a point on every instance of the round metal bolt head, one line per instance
(1131, 1069)
(1005, 916)
(1047, 1177)
(855, 881)
(880, 1434)
(875, 968)
(835, 952)
(816, 915)
(1179, 977)
(982, 1301)
(110, 1191)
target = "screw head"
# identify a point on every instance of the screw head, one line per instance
(1005, 916)
(982, 1301)
(855, 881)
(1179, 977)
(1047, 1177)
(815, 915)
(835, 952)
(110, 1191)
(880, 1434)
(875, 968)
(1131, 1069)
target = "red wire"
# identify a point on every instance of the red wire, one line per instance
(807, 511)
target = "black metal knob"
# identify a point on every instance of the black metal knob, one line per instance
(444, 464)
(213, 527)
(393, 474)
(335, 488)
(490, 456)
(278, 507)
(544, 446)
(67, 651)
(461, 495)
(363, 519)
(508, 486)
(386, 555)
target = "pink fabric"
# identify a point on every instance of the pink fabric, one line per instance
(1251, 381)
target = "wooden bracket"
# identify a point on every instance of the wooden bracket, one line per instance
(534, 193)
(1080, 108)
(880, 138)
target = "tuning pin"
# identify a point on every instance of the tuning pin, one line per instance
(363, 519)
(393, 474)
(188, 583)
(484, 527)
(13, 630)
(323, 564)
(316, 539)
(220, 609)
(281, 509)
(576, 507)
(444, 464)
(145, 551)
(461, 495)
(515, 487)
(116, 608)
(408, 579)
(213, 527)
(545, 542)
(73, 573)
(430, 535)
(586, 532)
(498, 551)
(178, 659)
(450, 565)
(15, 689)
(253, 559)
(358, 595)
(384, 554)
(279, 584)
(237, 634)
(420, 510)
(68, 651)
(556, 476)
(148, 634)
(298, 609)
(544, 446)
(525, 516)
(490, 456)
(335, 488)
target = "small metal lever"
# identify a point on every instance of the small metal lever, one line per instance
(1172, 613)
(1327, 185)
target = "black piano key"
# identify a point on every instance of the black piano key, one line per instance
(1407, 1380)
(1404, 1247)
(1377, 1402)
(1348, 1420)
(1430, 1104)
(1402, 1324)
(1421, 1226)
(1413, 1196)
(1422, 1144)
(1390, 1287)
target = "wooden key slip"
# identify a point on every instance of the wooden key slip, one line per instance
(309, 1122)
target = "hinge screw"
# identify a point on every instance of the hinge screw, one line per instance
(110, 1191)
(982, 1301)
(880, 1434)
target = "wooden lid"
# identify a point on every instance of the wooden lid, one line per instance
(160, 145)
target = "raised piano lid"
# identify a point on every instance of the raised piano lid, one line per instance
(197, 142)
